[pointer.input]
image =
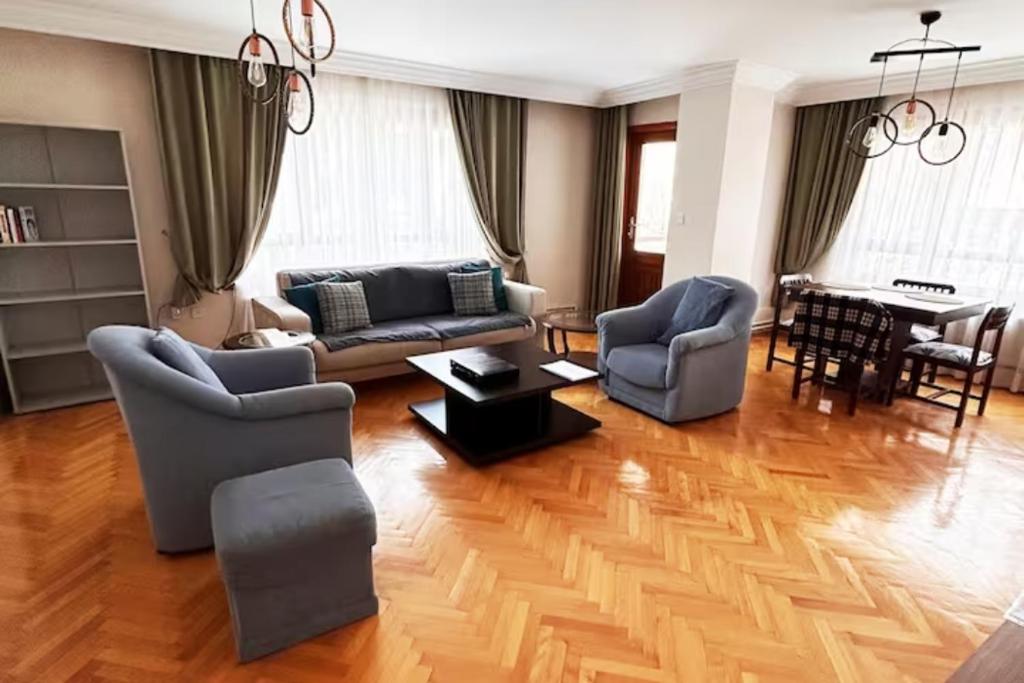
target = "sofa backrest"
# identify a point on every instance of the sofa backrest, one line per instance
(393, 292)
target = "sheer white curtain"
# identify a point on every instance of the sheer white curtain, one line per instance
(962, 223)
(378, 179)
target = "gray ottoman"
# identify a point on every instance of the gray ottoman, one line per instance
(293, 545)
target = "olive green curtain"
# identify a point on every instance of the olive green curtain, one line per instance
(823, 179)
(491, 132)
(609, 176)
(222, 155)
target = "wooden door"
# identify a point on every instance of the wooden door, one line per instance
(650, 167)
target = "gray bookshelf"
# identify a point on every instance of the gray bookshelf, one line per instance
(85, 271)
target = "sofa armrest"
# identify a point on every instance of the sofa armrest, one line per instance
(625, 326)
(292, 401)
(526, 299)
(254, 370)
(273, 311)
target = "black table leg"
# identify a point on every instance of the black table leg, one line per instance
(565, 344)
(551, 340)
(894, 363)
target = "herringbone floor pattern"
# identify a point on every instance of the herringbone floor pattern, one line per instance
(774, 543)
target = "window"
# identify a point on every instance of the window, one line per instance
(378, 179)
(962, 223)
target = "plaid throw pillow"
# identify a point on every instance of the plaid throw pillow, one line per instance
(342, 306)
(472, 293)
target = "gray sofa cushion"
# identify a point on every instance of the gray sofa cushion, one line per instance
(451, 326)
(342, 306)
(472, 293)
(175, 352)
(393, 331)
(396, 292)
(643, 364)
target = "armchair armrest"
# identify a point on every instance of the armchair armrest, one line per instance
(526, 299)
(273, 311)
(699, 339)
(250, 371)
(292, 401)
(625, 326)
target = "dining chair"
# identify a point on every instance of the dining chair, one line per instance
(848, 330)
(969, 360)
(926, 333)
(787, 286)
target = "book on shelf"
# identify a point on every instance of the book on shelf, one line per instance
(18, 224)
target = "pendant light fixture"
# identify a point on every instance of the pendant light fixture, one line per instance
(299, 103)
(252, 66)
(912, 121)
(291, 85)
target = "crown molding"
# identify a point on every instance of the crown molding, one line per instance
(697, 77)
(48, 16)
(978, 73)
(45, 16)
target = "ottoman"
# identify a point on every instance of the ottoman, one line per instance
(294, 549)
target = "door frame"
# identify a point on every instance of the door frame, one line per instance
(636, 136)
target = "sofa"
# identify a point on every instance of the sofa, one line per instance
(411, 313)
(699, 374)
(189, 435)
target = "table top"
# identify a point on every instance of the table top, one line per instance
(268, 338)
(910, 309)
(526, 355)
(573, 321)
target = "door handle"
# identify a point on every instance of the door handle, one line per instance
(632, 228)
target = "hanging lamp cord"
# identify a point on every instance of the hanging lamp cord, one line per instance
(952, 89)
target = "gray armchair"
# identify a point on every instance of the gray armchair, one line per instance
(190, 436)
(700, 373)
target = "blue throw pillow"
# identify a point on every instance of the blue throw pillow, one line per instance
(497, 280)
(304, 298)
(700, 307)
(176, 353)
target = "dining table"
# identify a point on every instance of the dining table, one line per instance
(907, 307)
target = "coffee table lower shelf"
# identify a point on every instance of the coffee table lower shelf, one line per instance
(505, 438)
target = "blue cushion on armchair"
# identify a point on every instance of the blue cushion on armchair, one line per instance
(700, 307)
(175, 352)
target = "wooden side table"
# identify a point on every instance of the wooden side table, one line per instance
(269, 338)
(582, 321)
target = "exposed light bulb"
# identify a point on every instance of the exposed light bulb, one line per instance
(306, 34)
(910, 119)
(298, 104)
(871, 134)
(257, 72)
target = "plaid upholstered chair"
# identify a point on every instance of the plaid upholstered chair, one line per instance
(831, 327)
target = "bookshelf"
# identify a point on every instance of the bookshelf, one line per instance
(85, 271)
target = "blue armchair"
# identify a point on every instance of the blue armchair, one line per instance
(700, 373)
(190, 436)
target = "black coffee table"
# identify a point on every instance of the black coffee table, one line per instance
(488, 424)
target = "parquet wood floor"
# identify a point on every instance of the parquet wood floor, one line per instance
(775, 543)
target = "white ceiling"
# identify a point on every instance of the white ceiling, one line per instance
(572, 49)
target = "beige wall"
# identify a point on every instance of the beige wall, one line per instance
(52, 80)
(559, 175)
(654, 111)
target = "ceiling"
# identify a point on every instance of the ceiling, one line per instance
(572, 50)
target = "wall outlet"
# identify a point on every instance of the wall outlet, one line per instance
(176, 313)
(197, 312)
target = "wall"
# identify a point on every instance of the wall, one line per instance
(53, 80)
(654, 111)
(772, 199)
(557, 212)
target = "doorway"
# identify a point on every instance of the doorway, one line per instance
(647, 206)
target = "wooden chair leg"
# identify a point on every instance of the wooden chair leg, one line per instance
(820, 365)
(797, 372)
(933, 373)
(771, 346)
(855, 372)
(964, 398)
(915, 376)
(988, 387)
(894, 385)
